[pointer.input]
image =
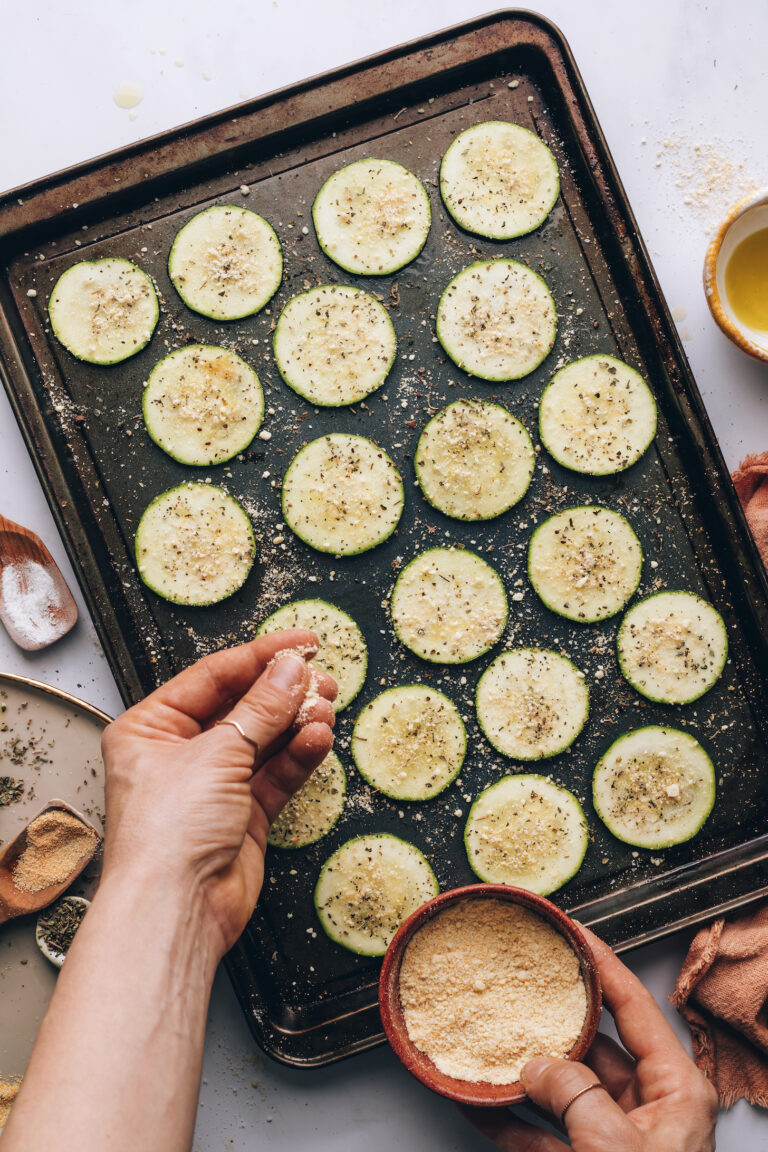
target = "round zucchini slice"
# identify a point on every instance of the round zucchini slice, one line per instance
(474, 460)
(654, 787)
(343, 653)
(585, 563)
(527, 832)
(342, 494)
(597, 416)
(672, 647)
(334, 345)
(226, 262)
(372, 217)
(314, 809)
(532, 703)
(104, 311)
(499, 180)
(194, 545)
(496, 319)
(202, 405)
(368, 887)
(448, 606)
(409, 742)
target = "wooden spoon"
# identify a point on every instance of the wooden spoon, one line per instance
(15, 901)
(36, 606)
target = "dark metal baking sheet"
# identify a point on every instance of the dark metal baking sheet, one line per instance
(307, 1000)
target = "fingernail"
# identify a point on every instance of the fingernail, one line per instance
(288, 671)
(534, 1068)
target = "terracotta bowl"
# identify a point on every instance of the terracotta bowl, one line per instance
(744, 218)
(419, 1064)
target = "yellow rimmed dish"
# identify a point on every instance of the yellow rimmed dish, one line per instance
(745, 218)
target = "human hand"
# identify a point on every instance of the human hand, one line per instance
(191, 802)
(652, 1097)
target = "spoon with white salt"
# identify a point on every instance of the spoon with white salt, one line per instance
(36, 606)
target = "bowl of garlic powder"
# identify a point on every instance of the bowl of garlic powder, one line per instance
(481, 980)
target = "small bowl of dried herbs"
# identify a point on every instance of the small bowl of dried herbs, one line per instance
(56, 927)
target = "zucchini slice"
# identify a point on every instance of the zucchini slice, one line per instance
(448, 606)
(409, 742)
(496, 319)
(672, 647)
(334, 345)
(499, 180)
(532, 703)
(314, 809)
(342, 494)
(202, 405)
(368, 887)
(372, 217)
(194, 545)
(654, 787)
(343, 652)
(226, 262)
(597, 416)
(585, 563)
(528, 832)
(474, 460)
(104, 311)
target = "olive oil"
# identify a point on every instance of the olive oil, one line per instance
(746, 280)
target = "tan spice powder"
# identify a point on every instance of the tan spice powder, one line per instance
(57, 841)
(486, 986)
(9, 1090)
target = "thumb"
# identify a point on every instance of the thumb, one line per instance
(270, 705)
(553, 1084)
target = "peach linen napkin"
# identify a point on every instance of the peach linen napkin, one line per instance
(722, 989)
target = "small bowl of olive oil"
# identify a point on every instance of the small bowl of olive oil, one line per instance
(736, 276)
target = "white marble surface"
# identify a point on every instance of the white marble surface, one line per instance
(682, 71)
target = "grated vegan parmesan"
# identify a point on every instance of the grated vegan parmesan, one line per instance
(486, 986)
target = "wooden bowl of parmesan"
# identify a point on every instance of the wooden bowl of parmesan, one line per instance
(481, 980)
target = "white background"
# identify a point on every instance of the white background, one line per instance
(682, 72)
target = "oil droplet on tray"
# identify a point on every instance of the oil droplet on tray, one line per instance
(127, 95)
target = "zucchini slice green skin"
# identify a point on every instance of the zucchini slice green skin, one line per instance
(544, 827)
(313, 811)
(226, 262)
(666, 804)
(202, 405)
(368, 887)
(182, 539)
(372, 217)
(597, 416)
(409, 742)
(448, 606)
(672, 647)
(474, 460)
(580, 591)
(342, 494)
(542, 692)
(480, 180)
(343, 652)
(334, 345)
(93, 301)
(497, 320)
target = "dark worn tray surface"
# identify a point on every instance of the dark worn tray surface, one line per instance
(307, 999)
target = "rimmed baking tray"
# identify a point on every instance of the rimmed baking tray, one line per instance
(308, 1001)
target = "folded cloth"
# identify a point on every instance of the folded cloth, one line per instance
(722, 989)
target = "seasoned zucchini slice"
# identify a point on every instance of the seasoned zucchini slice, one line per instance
(342, 494)
(448, 606)
(532, 703)
(474, 460)
(654, 787)
(104, 311)
(334, 345)
(314, 809)
(585, 563)
(409, 742)
(368, 887)
(528, 832)
(499, 180)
